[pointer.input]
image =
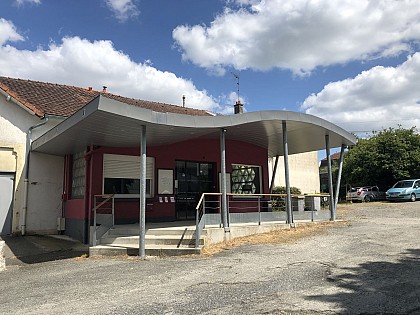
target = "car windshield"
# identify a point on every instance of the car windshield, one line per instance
(404, 184)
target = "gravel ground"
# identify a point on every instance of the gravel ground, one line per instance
(370, 265)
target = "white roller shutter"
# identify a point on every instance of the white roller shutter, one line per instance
(126, 166)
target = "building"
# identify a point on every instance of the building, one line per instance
(85, 143)
(304, 172)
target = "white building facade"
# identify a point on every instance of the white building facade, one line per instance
(45, 172)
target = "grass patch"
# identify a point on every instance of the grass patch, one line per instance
(283, 236)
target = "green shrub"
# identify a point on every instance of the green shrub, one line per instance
(278, 203)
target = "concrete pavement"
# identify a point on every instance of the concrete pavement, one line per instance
(32, 249)
(368, 266)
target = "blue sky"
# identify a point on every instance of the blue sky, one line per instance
(355, 63)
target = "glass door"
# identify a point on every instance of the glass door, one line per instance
(193, 178)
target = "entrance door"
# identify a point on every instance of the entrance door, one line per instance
(6, 202)
(193, 178)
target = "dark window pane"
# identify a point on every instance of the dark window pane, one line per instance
(123, 186)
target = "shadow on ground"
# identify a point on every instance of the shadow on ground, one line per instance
(378, 287)
(33, 249)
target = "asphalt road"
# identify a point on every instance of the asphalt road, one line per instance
(369, 266)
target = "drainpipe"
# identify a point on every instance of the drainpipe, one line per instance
(26, 180)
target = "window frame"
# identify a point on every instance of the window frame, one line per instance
(260, 184)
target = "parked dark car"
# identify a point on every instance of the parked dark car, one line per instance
(408, 189)
(365, 193)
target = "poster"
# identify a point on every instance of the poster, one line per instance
(165, 182)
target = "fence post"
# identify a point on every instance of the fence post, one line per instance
(197, 221)
(204, 207)
(94, 221)
(113, 212)
(220, 209)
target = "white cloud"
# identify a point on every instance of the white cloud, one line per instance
(83, 63)
(379, 98)
(300, 35)
(8, 32)
(123, 9)
(23, 2)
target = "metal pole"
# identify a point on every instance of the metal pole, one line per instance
(113, 212)
(197, 221)
(330, 182)
(223, 180)
(204, 206)
(286, 174)
(94, 222)
(219, 200)
(142, 219)
(340, 169)
(273, 176)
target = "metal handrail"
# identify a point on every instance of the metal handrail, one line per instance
(200, 201)
(95, 208)
(201, 207)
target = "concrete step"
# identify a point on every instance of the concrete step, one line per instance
(150, 240)
(161, 231)
(161, 251)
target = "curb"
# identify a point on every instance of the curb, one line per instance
(2, 257)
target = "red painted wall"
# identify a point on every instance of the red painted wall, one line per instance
(75, 209)
(200, 150)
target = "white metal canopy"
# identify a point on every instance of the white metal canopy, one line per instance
(107, 122)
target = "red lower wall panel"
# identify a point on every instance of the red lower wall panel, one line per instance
(75, 209)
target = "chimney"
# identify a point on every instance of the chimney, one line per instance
(238, 108)
(104, 89)
(90, 88)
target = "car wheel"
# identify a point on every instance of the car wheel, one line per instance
(413, 197)
(368, 199)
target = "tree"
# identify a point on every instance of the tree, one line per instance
(388, 156)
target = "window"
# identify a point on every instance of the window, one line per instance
(78, 176)
(246, 179)
(121, 175)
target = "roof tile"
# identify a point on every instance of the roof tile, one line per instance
(64, 100)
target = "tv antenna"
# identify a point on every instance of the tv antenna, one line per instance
(237, 83)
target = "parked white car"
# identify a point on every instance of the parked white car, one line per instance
(365, 193)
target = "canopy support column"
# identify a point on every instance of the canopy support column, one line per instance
(340, 169)
(286, 174)
(224, 210)
(330, 181)
(142, 217)
(273, 176)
